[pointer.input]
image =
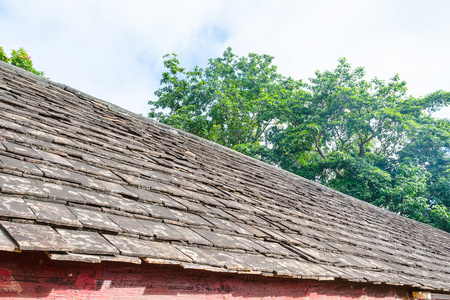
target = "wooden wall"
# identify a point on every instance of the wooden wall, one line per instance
(33, 275)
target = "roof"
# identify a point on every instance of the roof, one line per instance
(87, 181)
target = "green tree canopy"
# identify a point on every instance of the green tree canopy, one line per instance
(232, 101)
(369, 139)
(366, 138)
(20, 59)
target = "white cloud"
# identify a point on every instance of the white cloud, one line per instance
(113, 49)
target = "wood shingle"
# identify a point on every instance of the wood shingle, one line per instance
(87, 181)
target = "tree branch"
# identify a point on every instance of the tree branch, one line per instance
(316, 144)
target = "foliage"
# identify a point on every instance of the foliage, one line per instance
(20, 59)
(366, 138)
(232, 101)
(3, 56)
(370, 140)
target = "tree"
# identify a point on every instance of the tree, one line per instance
(366, 138)
(232, 101)
(20, 59)
(370, 140)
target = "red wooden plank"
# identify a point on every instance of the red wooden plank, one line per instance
(33, 275)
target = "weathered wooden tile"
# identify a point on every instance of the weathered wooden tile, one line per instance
(215, 224)
(143, 248)
(146, 196)
(237, 205)
(182, 183)
(130, 179)
(201, 256)
(192, 206)
(160, 261)
(19, 186)
(307, 269)
(87, 242)
(19, 165)
(75, 257)
(98, 199)
(188, 218)
(8, 135)
(117, 189)
(264, 264)
(223, 214)
(311, 242)
(237, 215)
(11, 125)
(64, 141)
(206, 188)
(56, 173)
(227, 225)
(279, 236)
(104, 200)
(154, 186)
(60, 192)
(93, 159)
(20, 150)
(220, 240)
(54, 158)
(118, 166)
(274, 248)
(130, 225)
(121, 258)
(196, 266)
(301, 269)
(83, 167)
(94, 219)
(35, 237)
(171, 203)
(155, 175)
(90, 182)
(217, 258)
(41, 137)
(164, 231)
(5, 243)
(53, 213)
(159, 212)
(248, 244)
(15, 207)
(257, 220)
(209, 200)
(148, 184)
(176, 191)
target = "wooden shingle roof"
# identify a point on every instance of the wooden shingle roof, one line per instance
(87, 181)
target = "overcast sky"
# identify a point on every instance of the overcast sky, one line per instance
(113, 49)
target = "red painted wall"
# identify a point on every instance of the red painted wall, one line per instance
(33, 275)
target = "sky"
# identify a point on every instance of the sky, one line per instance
(113, 50)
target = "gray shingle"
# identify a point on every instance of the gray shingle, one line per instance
(60, 192)
(11, 184)
(143, 248)
(87, 242)
(94, 219)
(35, 237)
(20, 150)
(53, 213)
(5, 242)
(15, 207)
(19, 165)
(121, 173)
